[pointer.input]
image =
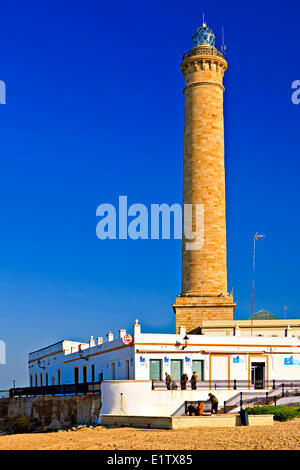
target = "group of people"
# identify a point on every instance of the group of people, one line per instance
(171, 384)
(192, 409)
(197, 410)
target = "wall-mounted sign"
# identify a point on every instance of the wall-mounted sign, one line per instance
(237, 360)
(166, 360)
(142, 361)
(127, 339)
(290, 361)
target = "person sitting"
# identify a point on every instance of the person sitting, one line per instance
(199, 409)
(174, 385)
(191, 410)
(194, 381)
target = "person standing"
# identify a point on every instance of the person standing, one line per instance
(168, 381)
(214, 403)
(194, 381)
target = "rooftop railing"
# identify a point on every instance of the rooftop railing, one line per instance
(203, 50)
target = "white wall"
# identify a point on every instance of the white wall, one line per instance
(136, 398)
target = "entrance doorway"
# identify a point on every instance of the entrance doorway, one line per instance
(127, 371)
(76, 375)
(197, 366)
(258, 374)
(176, 369)
(113, 370)
(155, 369)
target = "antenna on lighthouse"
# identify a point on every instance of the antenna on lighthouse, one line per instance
(223, 47)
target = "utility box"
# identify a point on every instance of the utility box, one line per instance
(244, 417)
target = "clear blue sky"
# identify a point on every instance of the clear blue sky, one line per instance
(95, 110)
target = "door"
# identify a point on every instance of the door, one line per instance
(258, 374)
(113, 371)
(197, 366)
(76, 375)
(127, 369)
(176, 369)
(155, 369)
(84, 374)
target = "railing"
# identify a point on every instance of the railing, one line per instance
(225, 384)
(285, 389)
(66, 389)
(200, 50)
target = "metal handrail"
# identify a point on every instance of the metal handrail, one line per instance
(227, 384)
(65, 389)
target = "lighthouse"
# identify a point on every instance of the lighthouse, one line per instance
(204, 293)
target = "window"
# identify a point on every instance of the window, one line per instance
(58, 377)
(41, 379)
(101, 377)
(46, 379)
(31, 381)
(84, 374)
(93, 373)
(76, 375)
(155, 369)
(35, 380)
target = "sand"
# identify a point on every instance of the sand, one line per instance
(282, 436)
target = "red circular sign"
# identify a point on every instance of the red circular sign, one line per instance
(127, 339)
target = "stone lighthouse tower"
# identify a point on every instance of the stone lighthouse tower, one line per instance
(204, 293)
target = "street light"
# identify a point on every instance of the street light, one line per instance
(256, 237)
(186, 340)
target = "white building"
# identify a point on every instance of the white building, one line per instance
(252, 361)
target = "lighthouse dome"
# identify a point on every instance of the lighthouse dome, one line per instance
(204, 36)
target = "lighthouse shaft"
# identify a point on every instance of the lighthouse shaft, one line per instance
(204, 271)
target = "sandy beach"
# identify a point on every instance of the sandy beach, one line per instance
(280, 436)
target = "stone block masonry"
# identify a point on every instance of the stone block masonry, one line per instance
(204, 293)
(57, 412)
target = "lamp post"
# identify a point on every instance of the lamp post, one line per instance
(256, 237)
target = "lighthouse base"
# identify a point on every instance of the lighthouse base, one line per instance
(191, 310)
